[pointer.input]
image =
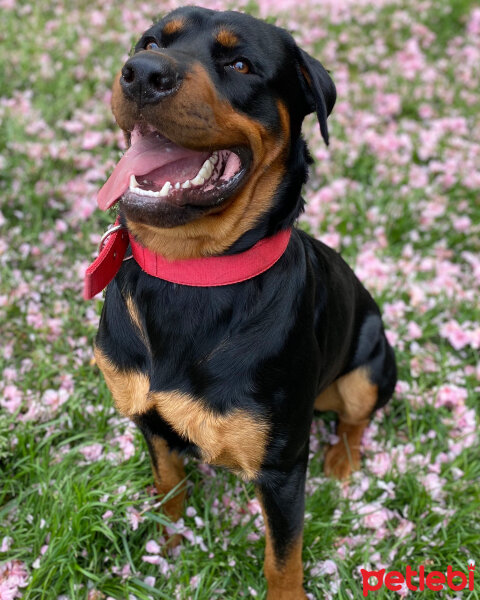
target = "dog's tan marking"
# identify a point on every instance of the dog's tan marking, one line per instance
(137, 321)
(284, 577)
(174, 26)
(128, 388)
(227, 38)
(122, 108)
(344, 457)
(353, 397)
(134, 314)
(236, 440)
(168, 473)
(197, 117)
(306, 74)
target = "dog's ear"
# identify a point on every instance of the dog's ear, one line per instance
(319, 89)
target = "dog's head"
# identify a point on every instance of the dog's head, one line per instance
(212, 104)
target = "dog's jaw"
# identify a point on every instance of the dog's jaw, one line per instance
(163, 184)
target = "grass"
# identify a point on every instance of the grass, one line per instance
(58, 63)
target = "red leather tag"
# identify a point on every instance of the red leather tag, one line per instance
(106, 265)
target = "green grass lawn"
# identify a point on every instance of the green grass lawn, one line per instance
(397, 192)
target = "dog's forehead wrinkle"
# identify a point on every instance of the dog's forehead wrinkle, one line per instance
(242, 24)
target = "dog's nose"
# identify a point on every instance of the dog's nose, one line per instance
(147, 77)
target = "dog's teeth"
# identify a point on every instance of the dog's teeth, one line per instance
(165, 189)
(202, 176)
(207, 169)
(205, 172)
(149, 193)
(134, 186)
(199, 180)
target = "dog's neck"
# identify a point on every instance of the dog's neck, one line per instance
(288, 203)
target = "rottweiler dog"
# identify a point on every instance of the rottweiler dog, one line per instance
(244, 325)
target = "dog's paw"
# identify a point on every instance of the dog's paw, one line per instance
(340, 461)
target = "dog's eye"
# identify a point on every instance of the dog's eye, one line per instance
(241, 66)
(152, 45)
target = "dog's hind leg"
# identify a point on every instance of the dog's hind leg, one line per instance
(357, 394)
(353, 397)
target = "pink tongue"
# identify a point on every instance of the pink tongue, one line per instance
(150, 152)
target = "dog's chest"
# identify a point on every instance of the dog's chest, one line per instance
(235, 439)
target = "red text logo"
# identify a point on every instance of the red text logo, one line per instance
(435, 580)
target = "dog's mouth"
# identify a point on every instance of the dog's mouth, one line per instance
(155, 171)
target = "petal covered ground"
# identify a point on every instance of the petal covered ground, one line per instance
(397, 192)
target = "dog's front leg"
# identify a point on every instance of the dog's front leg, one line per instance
(282, 497)
(169, 475)
(168, 472)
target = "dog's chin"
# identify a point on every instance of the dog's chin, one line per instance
(179, 185)
(163, 213)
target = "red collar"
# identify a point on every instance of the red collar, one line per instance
(199, 272)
